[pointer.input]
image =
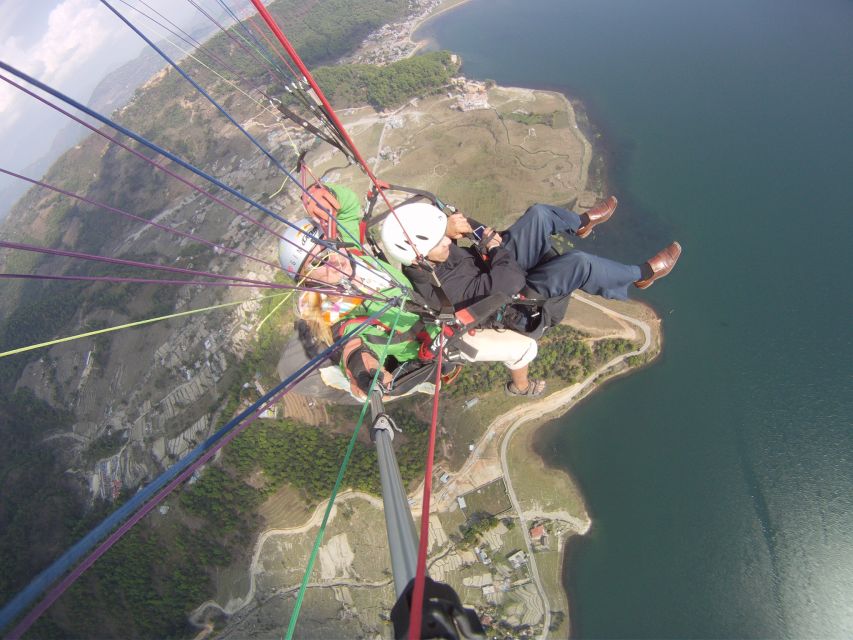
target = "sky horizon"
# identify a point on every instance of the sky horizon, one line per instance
(70, 45)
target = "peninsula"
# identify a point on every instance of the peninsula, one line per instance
(500, 519)
(106, 414)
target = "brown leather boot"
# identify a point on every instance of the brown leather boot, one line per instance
(661, 263)
(598, 214)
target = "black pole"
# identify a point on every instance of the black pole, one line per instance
(402, 535)
(444, 616)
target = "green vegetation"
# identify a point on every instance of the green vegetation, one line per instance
(384, 87)
(330, 29)
(636, 361)
(38, 500)
(153, 581)
(530, 118)
(107, 445)
(563, 355)
(474, 529)
(321, 30)
(307, 457)
(605, 350)
(45, 309)
(487, 500)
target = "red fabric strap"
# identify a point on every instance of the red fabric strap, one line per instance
(420, 574)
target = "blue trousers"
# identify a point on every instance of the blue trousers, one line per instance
(529, 239)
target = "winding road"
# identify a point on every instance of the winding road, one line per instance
(501, 429)
(236, 604)
(560, 399)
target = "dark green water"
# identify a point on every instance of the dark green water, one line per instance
(720, 480)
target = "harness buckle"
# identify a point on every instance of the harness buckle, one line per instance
(383, 422)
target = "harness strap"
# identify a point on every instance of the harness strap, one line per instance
(409, 335)
(302, 122)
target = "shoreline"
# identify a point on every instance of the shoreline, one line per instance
(532, 416)
(444, 8)
(540, 416)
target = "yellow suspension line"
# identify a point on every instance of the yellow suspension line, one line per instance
(135, 324)
(270, 314)
(257, 102)
(286, 298)
(282, 184)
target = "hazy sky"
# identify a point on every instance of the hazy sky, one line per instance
(70, 45)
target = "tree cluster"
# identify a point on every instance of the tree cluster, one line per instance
(385, 87)
(563, 355)
(476, 526)
(38, 508)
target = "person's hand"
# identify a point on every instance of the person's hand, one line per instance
(329, 267)
(457, 226)
(356, 390)
(360, 383)
(494, 238)
(321, 203)
(360, 372)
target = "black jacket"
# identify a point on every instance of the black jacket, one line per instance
(466, 278)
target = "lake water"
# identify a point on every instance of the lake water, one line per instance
(720, 479)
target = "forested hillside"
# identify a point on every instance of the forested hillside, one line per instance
(44, 474)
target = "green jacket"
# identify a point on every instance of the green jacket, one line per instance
(349, 213)
(405, 345)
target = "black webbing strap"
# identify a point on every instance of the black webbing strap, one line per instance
(302, 122)
(297, 89)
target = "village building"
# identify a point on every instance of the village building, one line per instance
(539, 536)
(518, 559)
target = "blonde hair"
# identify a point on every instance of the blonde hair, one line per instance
(310, 307)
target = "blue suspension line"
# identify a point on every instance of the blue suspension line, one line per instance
(201, 90)
(198, 88)
(154, 147)
(17, 605)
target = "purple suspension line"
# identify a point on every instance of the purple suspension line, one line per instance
(132, 216)
(169, 172)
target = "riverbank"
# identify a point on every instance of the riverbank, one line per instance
(542, 493)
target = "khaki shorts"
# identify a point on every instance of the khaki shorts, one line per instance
(513, 349)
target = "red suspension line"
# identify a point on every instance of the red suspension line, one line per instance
(271, 23)
(420, 574)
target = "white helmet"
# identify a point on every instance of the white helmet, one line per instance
(424, 226)
(297, 244)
